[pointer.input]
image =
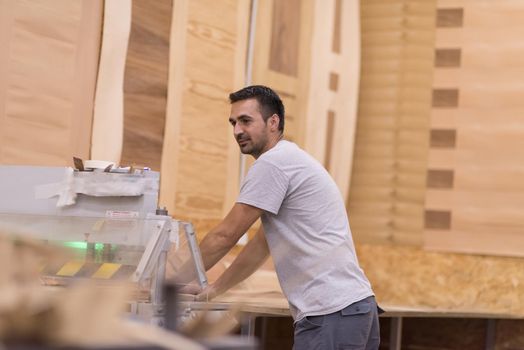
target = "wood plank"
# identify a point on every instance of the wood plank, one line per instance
(145, 83)
(108, 114)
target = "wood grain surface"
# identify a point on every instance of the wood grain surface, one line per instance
(145, 83)
(48, 67)
(482, 133)
(386, 202)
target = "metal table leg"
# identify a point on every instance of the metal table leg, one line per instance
(491, 333)
(395, 335)
(247, 329)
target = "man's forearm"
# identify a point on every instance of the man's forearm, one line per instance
(213, 248)
(248, 261)
(220, 240)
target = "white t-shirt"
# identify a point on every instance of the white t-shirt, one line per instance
(307, 231)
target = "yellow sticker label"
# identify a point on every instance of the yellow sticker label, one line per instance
(70, 268)
(106, 271)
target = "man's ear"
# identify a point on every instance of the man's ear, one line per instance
(274, 121)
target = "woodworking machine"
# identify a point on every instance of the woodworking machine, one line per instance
(107, 221)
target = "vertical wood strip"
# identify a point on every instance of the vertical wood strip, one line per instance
(171, 145)
(335, 47)
(145, 83)
(108, 115)
(333, 81)
(330, 133)
(285, 35)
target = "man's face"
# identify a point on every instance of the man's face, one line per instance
(249, 128)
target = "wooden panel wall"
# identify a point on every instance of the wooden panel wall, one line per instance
(281, 59)
(475, 190)
(200, 156)
(386, 202)
(333, 90)
(145, 84)
(48, 65)
(308, 51)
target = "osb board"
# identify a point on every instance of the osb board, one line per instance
(484, 199)
(145, 83)
(48, 65)
(412, 277)
(196, 164)
(387, 191)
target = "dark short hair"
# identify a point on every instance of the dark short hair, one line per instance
(268, 100)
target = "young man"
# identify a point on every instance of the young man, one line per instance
(304, 227)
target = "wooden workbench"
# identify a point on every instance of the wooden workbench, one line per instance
(252, 309)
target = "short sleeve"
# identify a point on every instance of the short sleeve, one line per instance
(264, 187)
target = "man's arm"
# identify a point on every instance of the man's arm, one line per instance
(248, 261)
(220, 240)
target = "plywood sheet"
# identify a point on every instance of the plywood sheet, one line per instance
(48, 65)
(196, 164)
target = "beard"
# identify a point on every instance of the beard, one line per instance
(248, 146)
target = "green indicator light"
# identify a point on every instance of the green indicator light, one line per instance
(77, 245)
(82, 245)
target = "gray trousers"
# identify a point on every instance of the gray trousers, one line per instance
(354, 327)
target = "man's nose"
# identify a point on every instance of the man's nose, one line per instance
(237, 130)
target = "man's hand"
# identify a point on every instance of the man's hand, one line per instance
(207, 294)
(191, 288)
(200, 294)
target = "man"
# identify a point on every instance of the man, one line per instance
(304, 227)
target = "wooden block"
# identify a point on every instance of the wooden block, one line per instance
(443, 138)
(440, 178)
(447, 58)
(333, 81)
(445, 98)
(450, 18)
(437, 219)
